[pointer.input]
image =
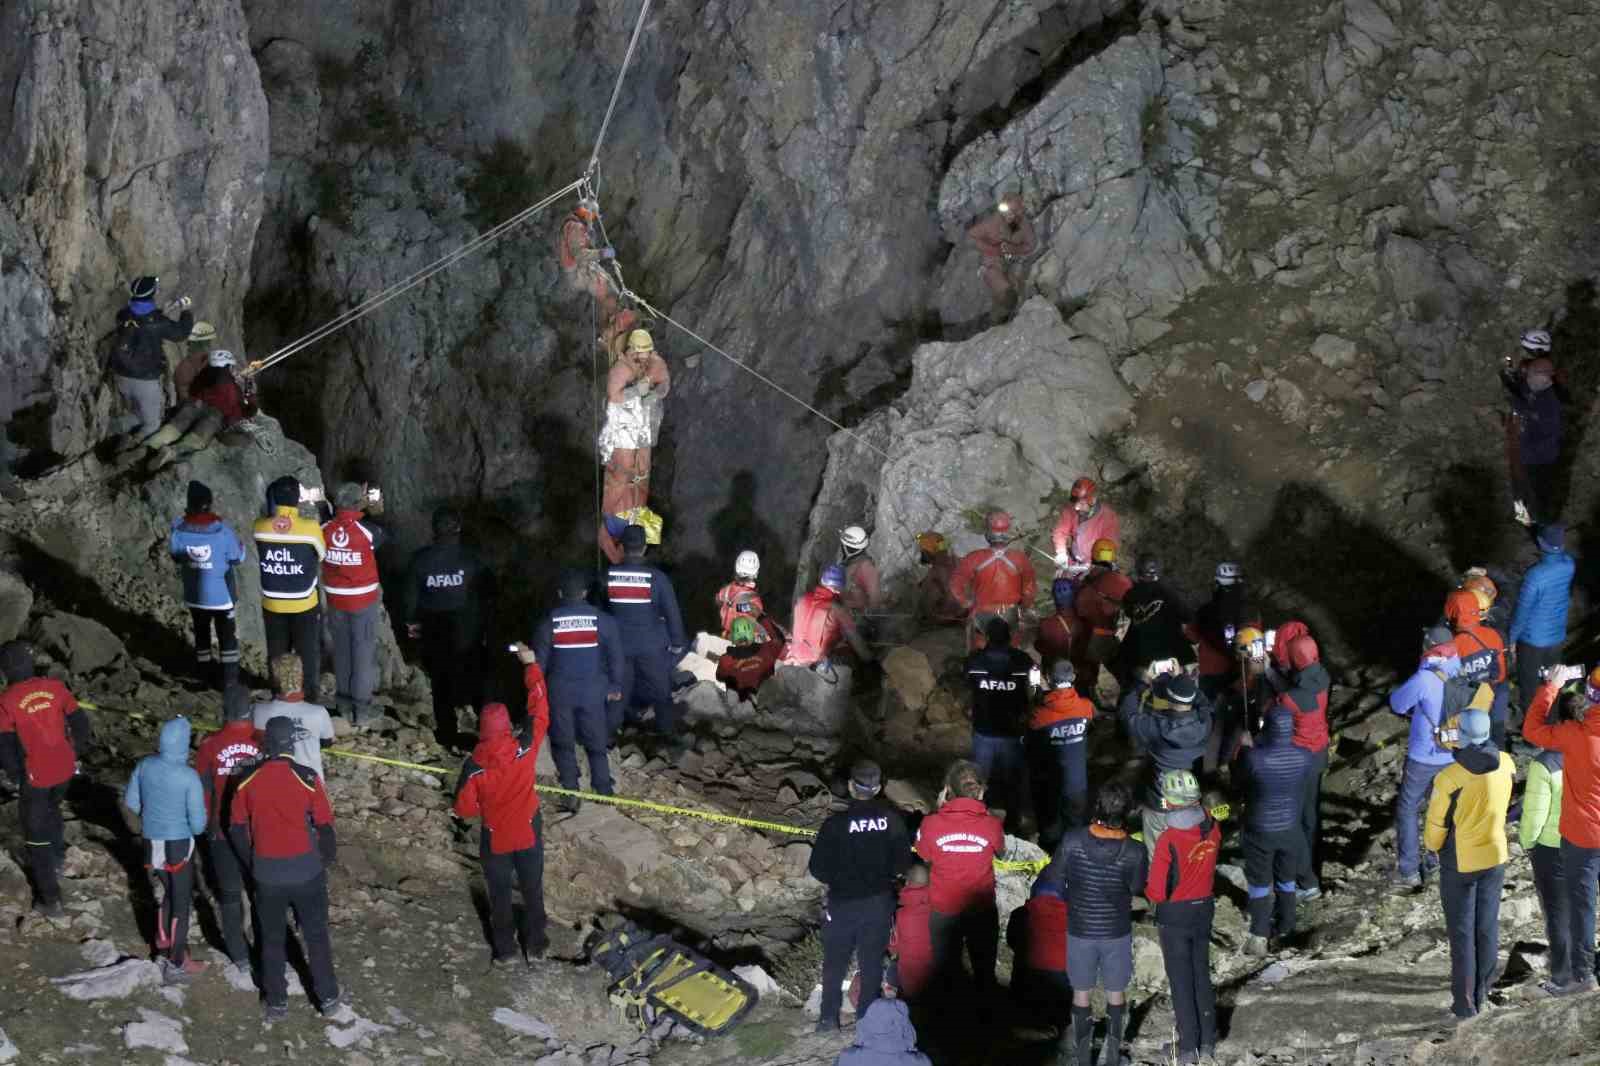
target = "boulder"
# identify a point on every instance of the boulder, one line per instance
(109, 982)
(8, 1050)
(795, 701)
(1011, 887)
(16, 600)
(908, 678)
(523, 1024)
(82, 644)
(155, 1031)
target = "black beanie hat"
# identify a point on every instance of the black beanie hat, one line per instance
(199, 498)
(279, 736)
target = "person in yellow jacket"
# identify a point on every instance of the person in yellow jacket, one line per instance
(290, 548)
(1539, 833)
(1467, 827)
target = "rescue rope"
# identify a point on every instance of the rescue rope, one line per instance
(404, 286)
(616, 91)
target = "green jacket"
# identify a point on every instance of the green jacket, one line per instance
(1541, 802)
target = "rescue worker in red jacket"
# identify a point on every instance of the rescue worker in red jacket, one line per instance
(820, 623)
(222, 760)
(1037, 936)
(497, 785)
(739, 598)
(42, 730)
(1084, 522)
(217, 387)
(350, 585)
(1058, 757)
(746, 665)
(281, 824)
(1099, 605)
(1482, 651)
(1182, 875)
(1302, 683)
(1057, 638)
(581, 261)
(911, 972)
(960, 842)
(936, 605)
(1000, 238)
(994, 582)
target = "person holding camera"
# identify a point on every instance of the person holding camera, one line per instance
(350, 582)
(1169, 722)
(1578, 741)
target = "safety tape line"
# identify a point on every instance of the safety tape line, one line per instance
(1029, 866)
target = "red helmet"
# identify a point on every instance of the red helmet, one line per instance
(1084, 489)
(999, 522)
(1465, 606)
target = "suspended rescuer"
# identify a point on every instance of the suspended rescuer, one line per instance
(1302, 684)
(937, 606)
(1467, 828)
(1422, 698)
(1183, 872)
(910, 945)
(1578, 741)
(1058, 757)
(42, 731)
(821, 622)
(1158, 624)
(1001, 237)
(312, 725)
(497, 785)
(860, 854)
(281, 825)
(1104, 870)
(1099, 606)
(1539, 623)
(581, 651)
(448, 600)
(739, 598)
(1482, 652)
(650, 626)
(1533, 428)
(1036, 932)
(290, 548)
(208, 552)
(862, 586)
(1539, 833)
(138, 361)
(752, 658)
(1000, 678)
(166, 795)
(1168, 721)
(636, 388)
(960, 842)
(350, 582)
(222, 760)
(994, 582)
(1083, 522)
(1272, 771)
(581, 261)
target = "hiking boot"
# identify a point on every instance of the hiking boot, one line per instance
(180, 973)
(568, 804)
(1255, 946)
(1577, 987)
(827, 1025)
(534, 951)
(52, 910)
(1309, 893)
(1405, 884)
(274, 1012)
(339, 1012)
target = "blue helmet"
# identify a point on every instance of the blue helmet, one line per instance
(1063, 591)
(833, 577)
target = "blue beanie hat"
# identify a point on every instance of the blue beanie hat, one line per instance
(1552, 536)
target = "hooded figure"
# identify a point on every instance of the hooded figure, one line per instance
(166, 793)
(884, 1037)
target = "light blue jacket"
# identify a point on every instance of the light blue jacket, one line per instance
(1422, 698)
(1541, 615)
(164, 790)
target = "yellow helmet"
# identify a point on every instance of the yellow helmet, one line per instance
(1103, 551)
(1250, 643)
(640, 341)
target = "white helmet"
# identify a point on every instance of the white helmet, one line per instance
(220, 357)
(1536, 340)
(854, 538)
(1229, 573)
(747, 565)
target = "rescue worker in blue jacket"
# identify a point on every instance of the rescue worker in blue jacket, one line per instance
(580, 649)
(646, 609)
(1274, 771)
(207, 551)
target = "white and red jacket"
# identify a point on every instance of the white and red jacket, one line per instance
(350, 567)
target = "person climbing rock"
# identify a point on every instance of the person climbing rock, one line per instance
(1422, 699)
(1003, 237)
(208, 552)
(1098, 604)
(1168, 721)
(497, 785)
(752, 658)
(581, 261)
(1158, 623)
(998, 677)
(1482, 652)
(1302, 684)
(1058, 757)
(1533, 429)
(1272, 772)
(1058, 637)
(636, 387)
(1104, 870)
(218, 386)
(581, 651)
(1539, 623)
(642, 601)
(1183, 872)
(1036, 933)
(821, 623)
(884, 1037)
(1467, 828)
(281, 825)
(1578, 741)
(960, 842)
(290, 548)
(995, 582)
(862, 587)
(1084, 521)
(447, 602)
(222, 760)
(1217, 623)
(350, 583)
(43, 731)
(739, 598)
(201, 339)
(312, 724)
(910, 945)
(860, 853)
(935, 604)
(166, 794)
(138, 362)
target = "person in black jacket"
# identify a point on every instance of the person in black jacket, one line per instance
(1169, 722)
(1104, 870)
(447, 602)
(137, 359)
(1157, 618)
(1274, 770)
(999, 675)
(860, 853)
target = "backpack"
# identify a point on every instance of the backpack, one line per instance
(123, 346)
(1459, 695)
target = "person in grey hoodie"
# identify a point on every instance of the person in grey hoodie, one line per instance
(884, 1037)
(166, 794)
